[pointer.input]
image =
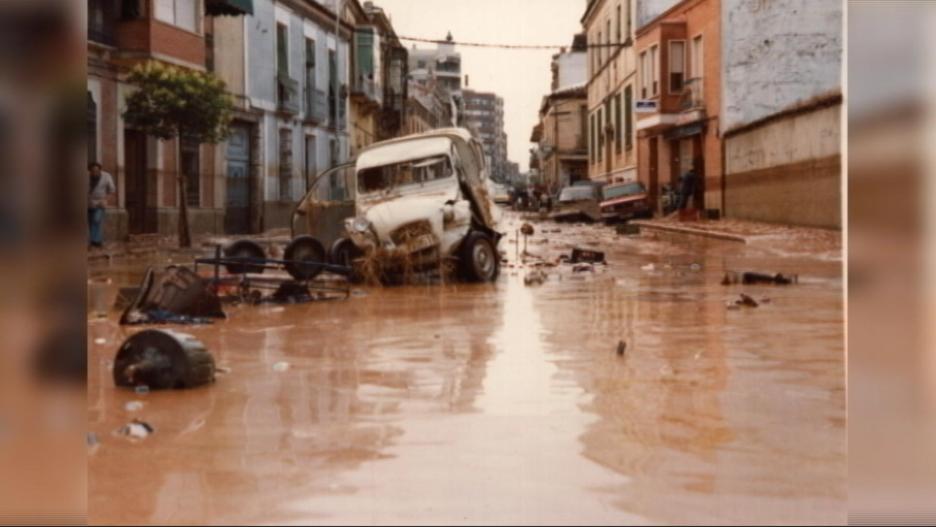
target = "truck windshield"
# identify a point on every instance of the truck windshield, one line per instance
(415, 172)
(577, 193)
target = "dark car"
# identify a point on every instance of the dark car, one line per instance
(578, 203)
(624, 201)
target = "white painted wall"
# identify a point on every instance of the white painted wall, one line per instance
(572, 69)
(647, 10)
(777, 53)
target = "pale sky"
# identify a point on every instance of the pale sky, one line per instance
(521, 77)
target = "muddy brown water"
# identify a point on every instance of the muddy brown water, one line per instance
(502, 403)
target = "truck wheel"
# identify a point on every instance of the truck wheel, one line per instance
(478, 258)
(244, 249)
(344, 252)
(301, 254)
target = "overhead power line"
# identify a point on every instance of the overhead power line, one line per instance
(511, 46)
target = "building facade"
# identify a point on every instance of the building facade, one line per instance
(427, 108)
(611, 67)
(679, 99)
(782, 101)
(122, 34)
(484, 116)
(440, 69)
(561, 134)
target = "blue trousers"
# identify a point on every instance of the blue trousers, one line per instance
(96, 225)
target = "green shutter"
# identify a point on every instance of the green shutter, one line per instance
(364, 53)
(628, 117)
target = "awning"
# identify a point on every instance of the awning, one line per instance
(229, 7)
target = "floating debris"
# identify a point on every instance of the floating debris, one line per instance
(141, 389)
(535, 277)
(527, 230)
(621, 348)
(281, 366)
(743, 300)
(627, 229)
(163, 359)
(749, 278)
(133, 406)
(649, 267)
(175, 295)
(100, 341)
(586, 256)
(581, 268)
(136, 429)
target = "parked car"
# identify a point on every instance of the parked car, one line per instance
(421, 199)
(499, 192)
(624, 201)
(578, 202)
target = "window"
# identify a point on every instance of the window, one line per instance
(628, 118)
(644, 75)
(655, 70)
(608, 39)
(619, 24)
(332, 82)
(91, 128)
(592, 146)
(191, 172)
(309, 74)
(180, 13)
(629, 22)
(617, 123)
(600, 51)
(282, 49)
(677, 65)
(601, 138)
(285, 164)
(695, 63)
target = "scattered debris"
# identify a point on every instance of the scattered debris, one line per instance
(223, 370)
(749, 278)
(292, 292)
(627, 229)
(535, 277)
(281, 366)
(176, 295)
(587, 256)
(92, 440)
(742, 300)
(649, 267)
(358, 293)
(765, 300)
(695, 267)
(621, 348)
(581, 268)
(527, 230)
(133, 406)
(142, 389)
(163, 359)
(100, 341)
(136, 429)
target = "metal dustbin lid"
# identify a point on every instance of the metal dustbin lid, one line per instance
(163, 359)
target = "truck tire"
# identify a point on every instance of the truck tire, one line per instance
(344, 252)
(244, 249)
(478, 258)
(300, 256)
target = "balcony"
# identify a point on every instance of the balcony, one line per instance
(287, 94)
(366, 90)
(316, 106)
(692, 97)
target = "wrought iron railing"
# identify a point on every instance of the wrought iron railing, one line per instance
(692, 96)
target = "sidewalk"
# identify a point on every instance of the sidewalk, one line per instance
(788, 238)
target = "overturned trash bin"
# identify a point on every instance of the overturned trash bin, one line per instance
(175, 295)
(163, 359)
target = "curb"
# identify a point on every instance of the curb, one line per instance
(690, 231)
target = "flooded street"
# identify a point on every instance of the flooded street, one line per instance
(503, 403)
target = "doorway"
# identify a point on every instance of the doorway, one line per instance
(140, 215)
(237, 196)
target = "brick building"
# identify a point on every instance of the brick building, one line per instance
(609, 28)
(679, 98)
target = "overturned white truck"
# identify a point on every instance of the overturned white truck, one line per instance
(410, 203)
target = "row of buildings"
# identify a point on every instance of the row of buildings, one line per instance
(747, 93)
(314, 82)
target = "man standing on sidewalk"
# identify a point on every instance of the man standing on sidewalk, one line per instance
(101, 186)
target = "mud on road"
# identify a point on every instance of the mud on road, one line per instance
(504, 402)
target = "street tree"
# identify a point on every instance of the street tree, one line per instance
(179, 103)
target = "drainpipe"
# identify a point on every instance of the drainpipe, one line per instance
(339, 6)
